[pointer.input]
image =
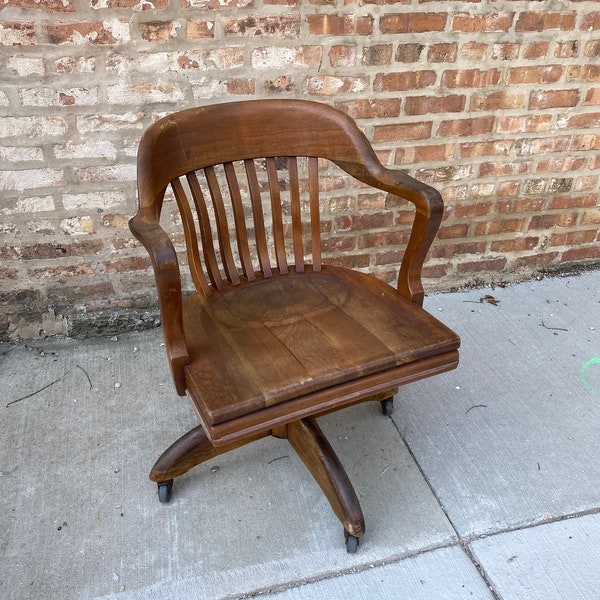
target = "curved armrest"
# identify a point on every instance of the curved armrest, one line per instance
(168, 282)
(429, 212)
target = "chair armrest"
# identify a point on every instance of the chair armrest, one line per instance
(168, 282)
(428, 216)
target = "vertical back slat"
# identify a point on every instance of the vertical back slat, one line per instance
(277, 217)
(191, 240)
(240, 221)
(258, 218)
(208, 247)
(315, 220)
(222, 227)
(296, 214)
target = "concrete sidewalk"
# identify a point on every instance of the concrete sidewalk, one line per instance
(484, 484)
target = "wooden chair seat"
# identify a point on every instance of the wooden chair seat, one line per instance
(280, 343)
(272, 336)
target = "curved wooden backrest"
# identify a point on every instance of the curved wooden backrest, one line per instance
(239, 166)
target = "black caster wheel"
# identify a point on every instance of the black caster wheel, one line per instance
(351, 543)
(387, 407)
(164, 491)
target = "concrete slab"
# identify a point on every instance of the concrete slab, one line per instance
(444, 574)
(81, 520)
(511, 437)
(558, 561)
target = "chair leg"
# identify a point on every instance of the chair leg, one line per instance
(188, 451)
(311, 445)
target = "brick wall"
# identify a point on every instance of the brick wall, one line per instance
(494, 103)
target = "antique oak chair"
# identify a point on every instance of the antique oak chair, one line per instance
(273, 337)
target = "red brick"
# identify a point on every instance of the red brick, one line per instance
(591, 21)
(339, 25)
(342, 56)
(200, 28)
(397, 82)
(380, 54)
(573, 238)
(567, 49)
(537, 146)
(535, 50)
(449, 173)
(407, 53)
(502, 168)
(506, 51)
(535, 261)
(371, 109)
(517, 244)
(474, 50)
(477, 209)
(553, 99)
(498, 226)
(584, 73)
(542, 21)
(460, 230)
(565, 202)
(54, 6)
(383, 238)
(402, 131)
(525, 124)
(490, 22)
(592, 96)
(491, 148)
(466, 127)
(451, 250)
(442, 52)
(498, 101)
(412, 22)
(364, 222)
(562, 164)
(588, 121)
(470, 78)
(416, 154)
(133, 4)
(420, 105)
(508, 188)
(94, 33)
(435, 271)
(585, 142)
(492, 265)
(520, 205)
(547, 221)
(579, 254)
(544, 74)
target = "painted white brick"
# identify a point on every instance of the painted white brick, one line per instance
(90, 149)
(25, 65)
(50, 97)
(77, 226)
(74, 64)
(110, 122)
(20, 154)
(32, 126)
(94, 200)
(110, 173)
(30, 179)
(192, 60)
(144, 93)
(31, 205)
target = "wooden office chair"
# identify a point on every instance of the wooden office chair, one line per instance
(274, 337)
